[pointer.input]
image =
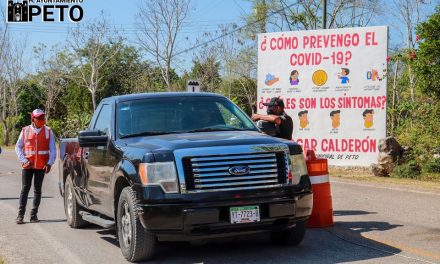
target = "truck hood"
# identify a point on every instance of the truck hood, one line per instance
(171, 142)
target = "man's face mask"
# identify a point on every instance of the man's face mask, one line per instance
(39, 122)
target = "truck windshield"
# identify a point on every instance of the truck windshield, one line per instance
(155, 116)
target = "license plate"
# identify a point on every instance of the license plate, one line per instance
(245, 214)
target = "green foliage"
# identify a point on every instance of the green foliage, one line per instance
(208, 73)
(77, 99)
(409, 170)
(58, 127)
(433, 165)
(416, 122)
(416, 130)
(243, 91)
(30, 97)
(427, 59)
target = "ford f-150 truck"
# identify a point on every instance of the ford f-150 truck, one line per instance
(182, 166)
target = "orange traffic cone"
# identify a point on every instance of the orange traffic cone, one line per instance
(322, 212)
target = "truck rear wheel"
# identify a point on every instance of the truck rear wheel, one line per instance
(136, 243)
(290, 237)
(71, 206)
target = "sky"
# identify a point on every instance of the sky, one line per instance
(204, 16)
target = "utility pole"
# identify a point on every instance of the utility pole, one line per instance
(324, 14)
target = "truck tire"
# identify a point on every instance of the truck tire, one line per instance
(290, 237)
(71, 206)
(136, 243)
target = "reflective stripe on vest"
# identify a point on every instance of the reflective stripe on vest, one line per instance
(319, 179)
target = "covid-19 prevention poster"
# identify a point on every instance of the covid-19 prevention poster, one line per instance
(333, 83)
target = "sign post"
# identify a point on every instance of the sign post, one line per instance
(193, 86)
(333, 83)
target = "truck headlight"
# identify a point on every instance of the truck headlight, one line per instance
(162, 174)
(298, 168)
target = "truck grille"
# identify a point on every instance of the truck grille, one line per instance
(212, 173)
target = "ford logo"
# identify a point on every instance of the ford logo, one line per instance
(239, 170)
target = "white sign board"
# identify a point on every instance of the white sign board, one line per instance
(333, 83)
(193, 86)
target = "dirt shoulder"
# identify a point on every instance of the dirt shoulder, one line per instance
(357, 174)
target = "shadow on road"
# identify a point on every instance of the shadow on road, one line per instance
(52, 220)
(109, 235)
(351, 212)
(342, 243)
(18, 198)
(367, 226)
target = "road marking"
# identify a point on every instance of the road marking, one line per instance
(413, 250)
(384, 187)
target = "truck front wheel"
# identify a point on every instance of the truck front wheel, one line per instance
(290, 237)
(136, 243)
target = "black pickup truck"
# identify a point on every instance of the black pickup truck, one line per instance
(182, 166)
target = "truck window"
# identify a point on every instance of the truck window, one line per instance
(179, 115)
(104, 119)
(230, 116)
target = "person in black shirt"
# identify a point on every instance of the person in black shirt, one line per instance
(277, 116)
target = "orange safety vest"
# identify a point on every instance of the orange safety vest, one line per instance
(36, 146)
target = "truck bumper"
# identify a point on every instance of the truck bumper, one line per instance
(192, 221)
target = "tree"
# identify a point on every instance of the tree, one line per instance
(427, 59)
(206, 68)
(160, 25)
(89, 42)
(52, 75)
(11, 71)
(292, 15)
(4, 39)
(409, 14)
(123, 73)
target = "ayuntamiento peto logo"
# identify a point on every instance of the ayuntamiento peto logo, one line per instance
(48, 10)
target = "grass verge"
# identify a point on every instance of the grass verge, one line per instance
(428, 181)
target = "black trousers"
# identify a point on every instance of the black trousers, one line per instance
(26, 176)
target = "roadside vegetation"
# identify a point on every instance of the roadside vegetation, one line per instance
(414, 105)
(98, 60)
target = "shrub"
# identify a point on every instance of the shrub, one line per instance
(433, 165)
(409, 170)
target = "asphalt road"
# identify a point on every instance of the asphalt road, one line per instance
(373, 224)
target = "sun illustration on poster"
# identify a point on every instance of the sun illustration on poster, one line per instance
(319, 77)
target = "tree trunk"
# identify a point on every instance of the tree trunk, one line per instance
(6, 133)
(94, 99)
(393, 115)
(411, 82)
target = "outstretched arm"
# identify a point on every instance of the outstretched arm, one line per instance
(270, 118)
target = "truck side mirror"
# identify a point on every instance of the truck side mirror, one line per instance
(92, 138)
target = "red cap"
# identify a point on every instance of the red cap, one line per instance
(37, 113)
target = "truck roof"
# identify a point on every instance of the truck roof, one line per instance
(129, 97)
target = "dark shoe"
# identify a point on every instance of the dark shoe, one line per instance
(34, 219)
(19, 220)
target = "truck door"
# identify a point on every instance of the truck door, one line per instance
(100, 164)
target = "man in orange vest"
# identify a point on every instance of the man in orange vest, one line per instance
(36, 151)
